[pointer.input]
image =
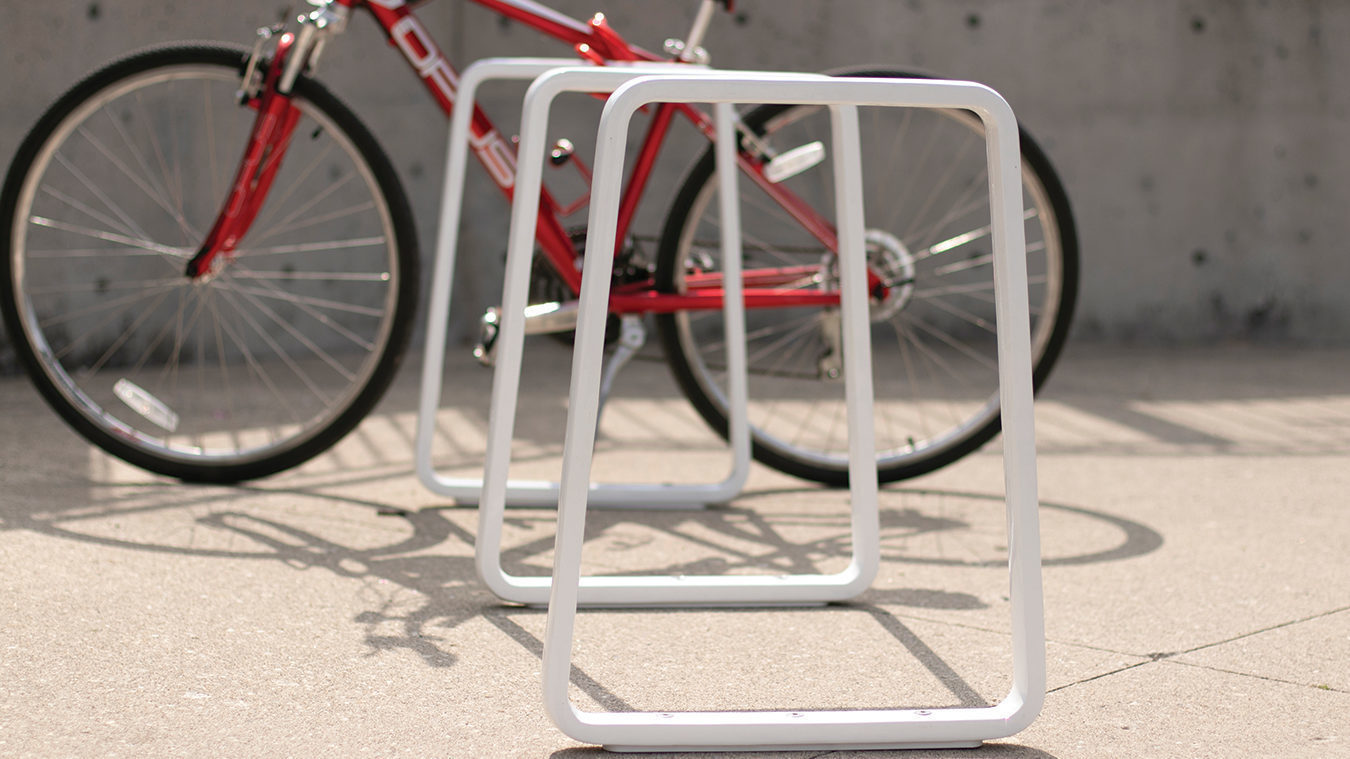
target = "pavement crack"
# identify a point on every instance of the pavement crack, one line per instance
(1100, 676)
(1263, 630)
(1170, 656)
(1267, 678)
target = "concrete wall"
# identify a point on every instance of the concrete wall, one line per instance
(1204, 143)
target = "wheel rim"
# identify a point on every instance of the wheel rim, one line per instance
(934, 351)
(233, 368)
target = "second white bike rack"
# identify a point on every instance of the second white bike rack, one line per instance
(496, 489)
(800, 730)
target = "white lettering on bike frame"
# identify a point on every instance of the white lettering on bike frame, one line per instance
(421, 52)
(417, 46)
(497, 157)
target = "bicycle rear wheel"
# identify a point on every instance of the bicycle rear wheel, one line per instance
(933, 337)
(228, 377)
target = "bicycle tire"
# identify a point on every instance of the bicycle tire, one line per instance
(796, 409)
(231, 377)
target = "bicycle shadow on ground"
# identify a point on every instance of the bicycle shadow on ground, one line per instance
(420, 564)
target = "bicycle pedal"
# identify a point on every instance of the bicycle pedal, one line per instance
(793, 162)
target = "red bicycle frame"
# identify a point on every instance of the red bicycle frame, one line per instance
(594, 41)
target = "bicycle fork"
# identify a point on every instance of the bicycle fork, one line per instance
(269, 92)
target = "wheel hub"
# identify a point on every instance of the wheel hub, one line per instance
(890, 260)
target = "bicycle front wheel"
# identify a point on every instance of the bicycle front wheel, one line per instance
(232, 376)
(934, 353)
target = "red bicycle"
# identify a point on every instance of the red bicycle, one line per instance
(217, 318)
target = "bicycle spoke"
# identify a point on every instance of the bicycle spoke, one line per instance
(963, 315)
(965, 238)
(889, 172)
(934, 191)
(255, 366)
(317, 198)
(167, 186)
(139, 182)
(252, 297)
(971, 201)
(797, 349)
(952, 243)
(81, 207)
(908, 360)
(279, 201)
(959, 345)
(976, 262)
(313, 276)
(172, 326)
(131, 228)
(104, 286)
(100, 253)
(920, 165)
(341, 213)
(161, 190)
(713, 346)
(65, 316)
(981, 291)
(99, 234)
(307, 300)
(266, 336)
(774, 408)
(753, 243)
(318, 316)
(217, 186)
(121, 339)
(312, 247)
(806, 323)
(227, 387)
(173, 365)
(934, 360)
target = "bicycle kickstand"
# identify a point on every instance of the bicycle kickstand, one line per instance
(632, 336)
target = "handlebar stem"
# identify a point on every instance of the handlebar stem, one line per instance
(329, 18)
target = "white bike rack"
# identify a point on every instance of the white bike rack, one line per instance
(506, 380)
(817, 730)
(497, 490)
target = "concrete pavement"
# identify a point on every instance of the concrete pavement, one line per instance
(1196, 577)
